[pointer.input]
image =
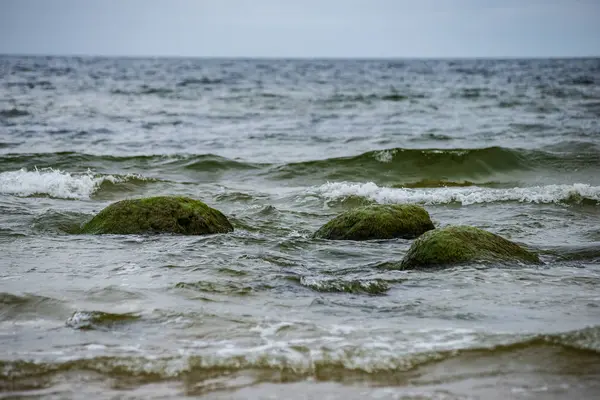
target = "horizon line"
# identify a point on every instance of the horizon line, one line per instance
(307, 58)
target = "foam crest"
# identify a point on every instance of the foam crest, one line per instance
(385, 156)
(53, 182)
(465, 195)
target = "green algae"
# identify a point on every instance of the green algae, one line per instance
(460, 244)
(163, 214)
(377, 222)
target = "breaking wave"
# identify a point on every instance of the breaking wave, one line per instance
(374, 360)
(572, 194)
(55, 183)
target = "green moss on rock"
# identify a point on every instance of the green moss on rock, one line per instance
(377, 222)
(164, 214)
(460, 244)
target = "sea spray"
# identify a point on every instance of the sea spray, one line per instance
(56, 183)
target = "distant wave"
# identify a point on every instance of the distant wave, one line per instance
(143, 90)
(575, 193)
(473, 93)
(357, 98)
(13, 113)
(163, 91)
(199, 81)
(583, 80)
(56, 183)
(44, 85)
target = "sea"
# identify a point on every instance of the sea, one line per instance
(281, 146)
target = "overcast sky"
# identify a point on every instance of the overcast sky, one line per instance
(302, 28)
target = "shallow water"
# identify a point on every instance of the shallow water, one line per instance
(280, 147)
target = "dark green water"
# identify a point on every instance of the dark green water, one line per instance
(280, 147)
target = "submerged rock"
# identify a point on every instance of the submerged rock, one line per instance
(377, 222)
(163, 214)
(460, 244)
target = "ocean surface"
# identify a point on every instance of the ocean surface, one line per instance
(282, 146)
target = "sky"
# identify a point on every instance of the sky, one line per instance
(302, 28)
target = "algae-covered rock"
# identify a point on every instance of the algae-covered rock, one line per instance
(460, 244)
(377, 222)
(163, 214)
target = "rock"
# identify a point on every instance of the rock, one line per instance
(377, 222)
(460, 244)
(163, 214)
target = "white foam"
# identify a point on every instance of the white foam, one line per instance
(53, 182)
(385, 156)
(80, 319)
(463, 195)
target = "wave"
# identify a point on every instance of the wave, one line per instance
(231, 288)
(98, 320)
(112, 185)
(143, 90)
(585, 252)
(72, 160)
(24, 305)
(49, 182)
(348, 99)
(13, 113)
(510, 104)
(44, 85)
(472, 93)
(437, 183)
(201, 81)
(69, 160)
(374, 360)
(397, 166)
(577, 193)
(441, 164)
(211, 162)
(59, 222)
(152, 90)
(241, 197)
(431, 136)
(583, 80)
(333, 285)
(593, 108)
(253, 96)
